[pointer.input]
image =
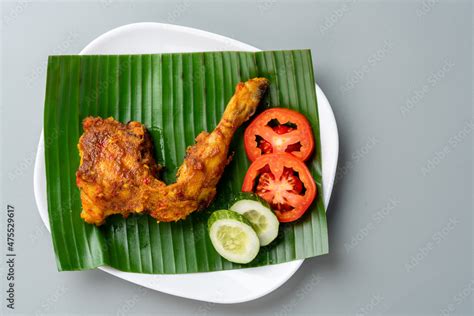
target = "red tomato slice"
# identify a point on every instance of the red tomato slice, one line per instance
(279, 130)
(284, 182)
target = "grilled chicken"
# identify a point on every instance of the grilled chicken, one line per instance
(118, 175)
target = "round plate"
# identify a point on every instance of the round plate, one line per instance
(232, 286)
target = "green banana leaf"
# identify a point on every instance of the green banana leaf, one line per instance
(176, 96)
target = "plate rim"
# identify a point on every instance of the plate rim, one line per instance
(39, 159)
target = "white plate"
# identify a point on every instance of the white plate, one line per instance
(233, 286)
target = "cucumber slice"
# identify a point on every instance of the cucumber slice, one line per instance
(233, 236)
(264, 221)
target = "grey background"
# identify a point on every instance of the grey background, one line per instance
(400, 218)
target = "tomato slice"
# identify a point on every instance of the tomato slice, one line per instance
(279, 130)
(284, 182)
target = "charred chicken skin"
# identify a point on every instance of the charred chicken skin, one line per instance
(118, 175)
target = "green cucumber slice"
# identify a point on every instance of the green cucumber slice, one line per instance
(258, 213)
(233, 236)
